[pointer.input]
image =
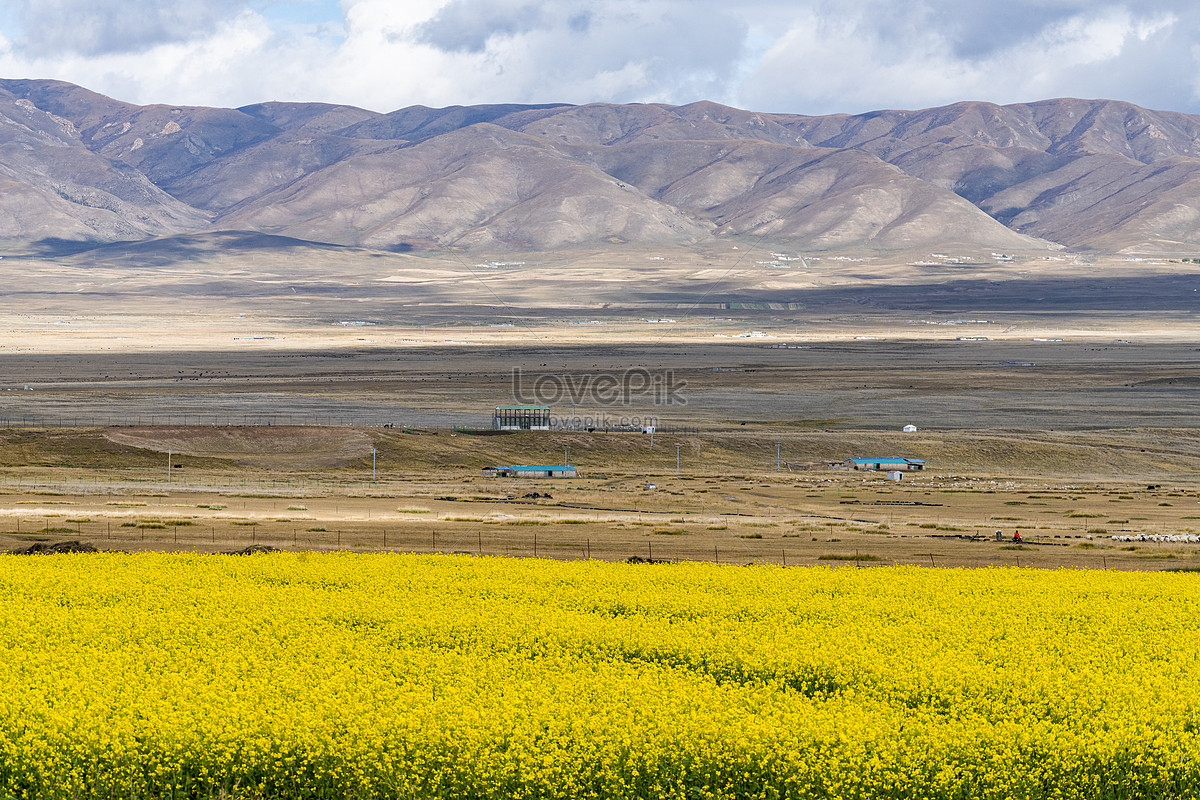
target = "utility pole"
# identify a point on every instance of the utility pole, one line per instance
(677, 459)
(373, 451)
(778, 457)
(169, 460)
(565, 449)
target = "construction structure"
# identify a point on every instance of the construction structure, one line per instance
(889, 464)
(521, 418)
(532, 471)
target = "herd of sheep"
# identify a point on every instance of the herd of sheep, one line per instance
(1157, 537)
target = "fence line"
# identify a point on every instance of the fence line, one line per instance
(284, 420)
(210, 538)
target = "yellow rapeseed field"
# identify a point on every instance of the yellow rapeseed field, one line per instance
(391, 676)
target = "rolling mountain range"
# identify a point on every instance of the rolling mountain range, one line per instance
(77, 167)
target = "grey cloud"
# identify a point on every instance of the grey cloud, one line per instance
(468, 25)
(681, 48)
(901, 53)
(580, 22)
(97, 27)
(803, 56)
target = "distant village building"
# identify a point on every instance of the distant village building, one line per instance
(521, 418)
(909, 428)
(895, 475)
(890, 464)
(532, 471)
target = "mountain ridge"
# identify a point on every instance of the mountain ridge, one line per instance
(1094, 175)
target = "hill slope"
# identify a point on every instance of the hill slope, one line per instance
(1110, 176)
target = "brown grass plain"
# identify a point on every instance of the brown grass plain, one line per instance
(1051, 395)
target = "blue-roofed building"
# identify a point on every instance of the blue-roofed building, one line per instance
(889, 464)
(532, 471)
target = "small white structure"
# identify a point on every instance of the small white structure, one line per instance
(909, 428)
(895, 475)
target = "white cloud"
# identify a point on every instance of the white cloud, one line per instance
(812, 56)
(858, 62)
(97, 27)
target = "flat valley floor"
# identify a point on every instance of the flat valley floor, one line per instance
(311, 403)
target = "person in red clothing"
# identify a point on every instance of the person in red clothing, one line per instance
(1016, 536)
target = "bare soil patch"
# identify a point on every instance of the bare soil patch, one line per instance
(284, 447)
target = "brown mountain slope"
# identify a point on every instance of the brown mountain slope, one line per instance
(480, 186)
(55, 188)
(162, 142)
(1078, 173)
(314, 117)
(830, 198)
(267, 167)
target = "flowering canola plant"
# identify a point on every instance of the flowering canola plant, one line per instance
(401, 676)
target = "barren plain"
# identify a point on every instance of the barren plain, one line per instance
(308, 398)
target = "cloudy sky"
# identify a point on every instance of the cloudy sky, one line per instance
(799, 56)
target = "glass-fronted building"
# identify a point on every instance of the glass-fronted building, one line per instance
(522, 418)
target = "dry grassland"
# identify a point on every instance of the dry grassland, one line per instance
(728, 503)
(1050, 395)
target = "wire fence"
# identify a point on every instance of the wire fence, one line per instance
(250, 536)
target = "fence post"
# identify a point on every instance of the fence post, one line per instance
(535, 545)
(716, 560)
